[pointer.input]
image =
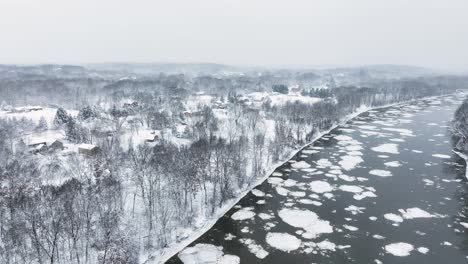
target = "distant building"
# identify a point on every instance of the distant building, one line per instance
(88, 149)
(296, 90)
(38, 148)
(153, 136)
(181, 131)
(56, 145)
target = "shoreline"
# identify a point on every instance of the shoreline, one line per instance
(172, 251)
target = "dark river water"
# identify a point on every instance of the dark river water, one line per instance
(383, 188)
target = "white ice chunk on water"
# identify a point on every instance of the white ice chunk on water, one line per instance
(442, 156)
(283, 241)
(387, 148)
(254, 248)
(416, 212)
(422, 250)
(281, 191)
(307, 220)
(258, 193)
(400, 249)
(206, 253)
(393, 217)
(300, 165)
(349, 162)
(243, 214)
(320, 187)
(351, 188)
(392, 164)
(381, 173)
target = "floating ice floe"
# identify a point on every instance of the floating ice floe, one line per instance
(324, 163)
(297, 194)
(351, 188)
(387, 148)
(277, 174)
(416, 212)
(283, 241)
(258, 193)
(381, 173)
(275, 180)
(400, 249)
(393, 217)
(442, 156)
(402, 131)
(243, 214)
(265, 216)
(309, 151)
(392, 164)
(349, 162)
(422, 250)
(206, 253)
(377, 236)
(351, 228)
(300, 165)
(320, 187)
(307, 220)
(347, 178)
(254, 248)
(289, 183)
(281, 191)
(355, 209)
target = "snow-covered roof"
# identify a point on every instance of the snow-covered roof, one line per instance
(87, 146)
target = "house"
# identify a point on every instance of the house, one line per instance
(219, 105)
(38, 148)
(88, 149)
(181, 131)
(153, 136)
(56, 145)
(131, 104)
(187, 114)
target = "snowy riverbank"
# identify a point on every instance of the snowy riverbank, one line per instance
(464, 157)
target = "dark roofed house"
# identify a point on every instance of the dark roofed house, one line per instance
(88, 149)
(56, 145)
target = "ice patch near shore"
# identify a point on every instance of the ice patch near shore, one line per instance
(400, 249)
(258, 193)
(243, 214)
(387, 148)
(300, 165)
(283, 241)
(206, 253)
(307, 220)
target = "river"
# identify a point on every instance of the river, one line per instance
(383, 188)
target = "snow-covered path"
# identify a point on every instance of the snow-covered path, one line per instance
(384, 188)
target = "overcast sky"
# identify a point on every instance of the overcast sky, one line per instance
(432, 33)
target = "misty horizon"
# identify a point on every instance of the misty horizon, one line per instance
(299, 33)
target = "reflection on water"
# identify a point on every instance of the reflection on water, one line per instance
(383, 188)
